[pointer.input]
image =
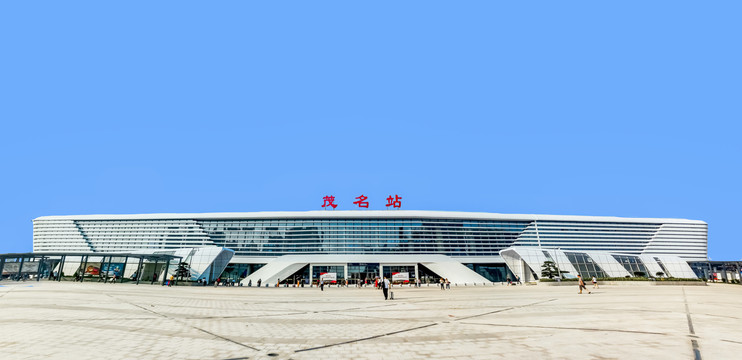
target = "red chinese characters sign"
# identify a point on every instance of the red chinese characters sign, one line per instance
(329, 201)
(361, 201)
(394, 201)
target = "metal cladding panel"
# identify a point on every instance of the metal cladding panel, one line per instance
(457, 234)
(677, 267)
(60, 235)
(652, 266)
(688, 241)
(608, 263)
(535, 257)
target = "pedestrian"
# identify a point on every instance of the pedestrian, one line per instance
(443, 285)
(582, 284)
(322, 285)
(169, 282)
(154, 277)
(517, 280)
(510, 282)
(385, 288)
(259, 280)
(249, 283)
(448, 284)
(595, 283)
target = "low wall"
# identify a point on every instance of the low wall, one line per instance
(627, 283)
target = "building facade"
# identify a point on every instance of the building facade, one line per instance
(357, 245)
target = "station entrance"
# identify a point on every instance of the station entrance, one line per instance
(362, 273)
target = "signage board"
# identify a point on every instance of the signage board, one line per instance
(401, 276)
(328, 276)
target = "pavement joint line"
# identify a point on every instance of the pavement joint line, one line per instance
(7, 292)
(194, 327)
(242, 316)
(571, 328)
(366, 338)
(359, 308)
(505, 309)
(693, 342)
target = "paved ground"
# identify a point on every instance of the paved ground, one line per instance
(122, 321)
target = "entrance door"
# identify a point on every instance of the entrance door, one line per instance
(361, 272)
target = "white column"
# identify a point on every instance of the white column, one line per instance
(310, 274)
(345, 270)
(381, 271)
(417, 273)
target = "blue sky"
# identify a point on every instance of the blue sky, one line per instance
(581, 108)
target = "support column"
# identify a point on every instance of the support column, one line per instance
(153, 273)
(123, 269)
(20, 268)
(84, 266)
(61, 267)
(108, 269)
(381, 272)
(139, 270)
(164, 273)
(38, 270)
(417, 274)
(345, 275)
(311, 274)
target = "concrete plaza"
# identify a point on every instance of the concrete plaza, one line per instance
(125, 321)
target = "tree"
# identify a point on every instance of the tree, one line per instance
(639, 273)
(183, 271)
(549, 270)
(660, 274)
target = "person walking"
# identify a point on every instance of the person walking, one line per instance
(385, 287)
(595, 283)
(448, 284)
(322, 285)
(170, 281)
(259, 280)
(443, 284)
(582, 284)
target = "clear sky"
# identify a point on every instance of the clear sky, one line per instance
(577, 108)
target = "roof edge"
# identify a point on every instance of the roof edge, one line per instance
(387, 214)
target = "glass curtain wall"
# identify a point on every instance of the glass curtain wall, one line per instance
(632, 264)
(585, 265)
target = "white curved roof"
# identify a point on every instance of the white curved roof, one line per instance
(377, 214)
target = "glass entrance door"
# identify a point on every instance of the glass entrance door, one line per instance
(362, 273)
